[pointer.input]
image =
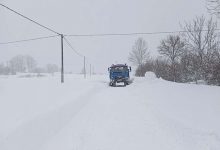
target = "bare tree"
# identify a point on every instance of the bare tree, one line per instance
(213, 7)
(139, 54)
(31, 63)
(21, 63)
(215, 79)
(148, 66)
(189, 63)
(161, 68)
(52, 68)
(172, 48)
(17, 64)
(201, 38)
(2, 68)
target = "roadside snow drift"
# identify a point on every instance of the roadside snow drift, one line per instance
(150, 75)
(42, 114)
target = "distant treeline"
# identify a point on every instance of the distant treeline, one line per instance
(190, 56)
(25, 64)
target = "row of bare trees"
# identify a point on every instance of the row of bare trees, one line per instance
(25, 64)
(189, 56)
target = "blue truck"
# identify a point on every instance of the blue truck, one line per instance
(119, 73)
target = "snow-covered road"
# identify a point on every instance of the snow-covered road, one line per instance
(41, 114)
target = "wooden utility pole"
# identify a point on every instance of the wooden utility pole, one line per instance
(84, 67)
(62, 67)
(90, 70)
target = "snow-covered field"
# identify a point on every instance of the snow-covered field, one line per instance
(39, 113)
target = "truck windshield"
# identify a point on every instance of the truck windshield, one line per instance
(119, 68)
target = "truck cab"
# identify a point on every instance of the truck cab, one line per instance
(119, 73)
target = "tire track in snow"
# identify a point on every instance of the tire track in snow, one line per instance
(33, 134)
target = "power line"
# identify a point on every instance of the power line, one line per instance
(27, 40)
(29, 19)
(116, 34)
(68, 43)
(84, 58)
(130, 34)
(90, 35)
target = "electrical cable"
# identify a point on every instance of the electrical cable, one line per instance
(27, 40)
(29, 19)
(68, 43)
(128, 34)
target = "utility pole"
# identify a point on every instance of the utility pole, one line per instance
(84, 67)
(62, 68)
(90, 70)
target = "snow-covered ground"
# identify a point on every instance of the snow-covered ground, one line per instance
(39, 113)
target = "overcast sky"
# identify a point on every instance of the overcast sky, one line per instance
(89, 17)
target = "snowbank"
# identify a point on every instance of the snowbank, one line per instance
(150, 75)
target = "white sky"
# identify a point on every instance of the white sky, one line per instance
(88, 17)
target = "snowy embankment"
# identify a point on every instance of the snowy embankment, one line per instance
(42, 114)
